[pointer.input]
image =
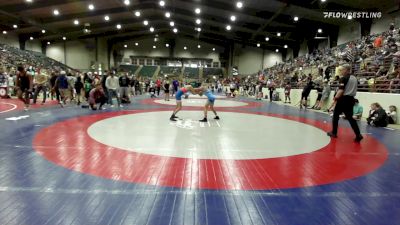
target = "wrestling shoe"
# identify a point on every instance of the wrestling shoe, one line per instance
(204, 120)
(216, 118)
(358, 139)
(332, 135)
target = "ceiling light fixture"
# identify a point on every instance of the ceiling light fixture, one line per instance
(146, 22)
(48, 43)
(43, 31)
(137, 13)
(267, 39)
(197, 10)
(127, 2)
(233, 18)
(228, 27)
(15, 26)
(119, 26)
(185, 48)
(64, 38)
(239, 5)
(154, 46)
(106, 18)
(258, 45)
(197, 29)
(76, 22)
(31, 38)
(172, 23)
(162, 3)
(213, 49)
(198, 46)
(278, 34)
(167, 45)
(285, 46)
(167, 14)
(56, 12)
(152, 29)
(320, 30)
(296, 18)
(277, 50)
(175, 30)
(198, 21)
(125, 46)
(136, 44)
(4, 32)
(91, 7)
(29, 1)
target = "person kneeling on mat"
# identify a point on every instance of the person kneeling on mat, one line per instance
(209, 104)
(96, 95)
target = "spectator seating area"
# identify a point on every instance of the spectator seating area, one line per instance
(129, 68)
(375, 65)
(166, 70)
(147, 71)
(207, 72)
(11, 57)
(192, 73)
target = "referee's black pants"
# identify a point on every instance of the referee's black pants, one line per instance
(345, 105)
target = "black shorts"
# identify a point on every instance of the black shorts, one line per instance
(319, 97)
(304, 95)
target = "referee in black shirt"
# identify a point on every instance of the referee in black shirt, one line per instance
(344, 103)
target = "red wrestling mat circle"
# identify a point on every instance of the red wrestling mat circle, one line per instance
(68, 144)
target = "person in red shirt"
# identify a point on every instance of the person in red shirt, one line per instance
(158, 86)
(378, 42)
(97, 95)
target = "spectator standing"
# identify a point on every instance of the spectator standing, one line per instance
(124, 82)
(166, 90)
(24, 83)
(112, 85)
(41, 85)
(288, 88)
(158, 87)
(53, 86)
(175, 85)
(62, 85)
(79, 89)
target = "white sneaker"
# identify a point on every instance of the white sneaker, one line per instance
(121, 106)
(26, 108)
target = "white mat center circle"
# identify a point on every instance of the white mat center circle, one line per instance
(237, 136)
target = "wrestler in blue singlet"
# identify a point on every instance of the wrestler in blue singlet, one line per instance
(210, 96)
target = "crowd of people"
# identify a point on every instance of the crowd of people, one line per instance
(376, 55)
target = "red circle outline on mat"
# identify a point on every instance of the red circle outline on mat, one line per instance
(68, 144)
(152, 101)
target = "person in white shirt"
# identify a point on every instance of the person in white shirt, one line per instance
(392, 114)
(112, 85)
